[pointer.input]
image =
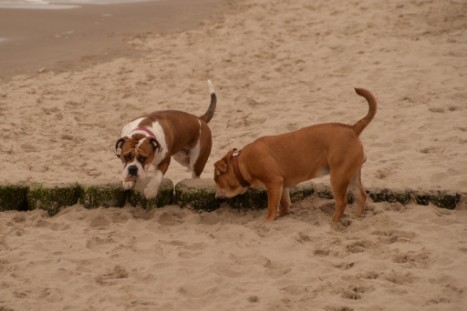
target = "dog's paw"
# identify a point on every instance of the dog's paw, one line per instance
(128, 185)
(150, 192)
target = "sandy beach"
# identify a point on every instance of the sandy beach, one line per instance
(276, 66)
(73, 39)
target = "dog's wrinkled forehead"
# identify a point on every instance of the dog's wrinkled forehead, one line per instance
(138, 145)
(145, 147)
(127, 144)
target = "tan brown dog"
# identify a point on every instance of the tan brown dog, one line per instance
(279, 162)
(153, 139)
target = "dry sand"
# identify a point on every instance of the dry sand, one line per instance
(277, 66)
(396, 258)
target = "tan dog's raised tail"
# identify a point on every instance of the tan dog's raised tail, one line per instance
(281, 161)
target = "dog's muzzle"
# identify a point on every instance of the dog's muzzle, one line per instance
(133, 170)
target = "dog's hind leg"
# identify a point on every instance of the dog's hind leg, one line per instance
(339, 184)
(285, 203)
(200, 154)
(358, 192)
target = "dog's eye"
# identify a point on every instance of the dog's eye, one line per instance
(142, 159)
(127, 157)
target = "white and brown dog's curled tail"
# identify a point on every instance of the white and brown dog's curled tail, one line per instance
(212, 106)
(362, 123)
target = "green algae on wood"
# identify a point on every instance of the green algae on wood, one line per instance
(443, 199)
(323, 191)
(105, 195)
(164, 196)
(52, 198)
(391, 196)
(198, 193)
(13, 197)
(301, 191)
(252, 199)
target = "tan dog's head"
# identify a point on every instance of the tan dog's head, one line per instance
(137, 154)
(227, 183)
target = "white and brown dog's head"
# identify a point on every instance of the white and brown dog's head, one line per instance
(137, 153)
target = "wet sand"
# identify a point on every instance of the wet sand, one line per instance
(74, 38)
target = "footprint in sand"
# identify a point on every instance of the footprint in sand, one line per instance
(399, 278)
(392, 236)
(99, 221)
(419, 259)
(253, 299)
(192, 250)
(296, 289)
(396, 207)
(344, 308)
(195, 291)
(358, 246)
(370, 275)
(276, 269)
(111, 278)
(209, 218)
(447, 293)
(303, 238)
(50, 295)
(262, 230)
(345, 265)
(170, 218)
(230, 270)
(321, 252)
(383, 173)
(96, 242)
(354, 292)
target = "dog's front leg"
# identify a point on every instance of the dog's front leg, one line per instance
(274, 198)
(152, 188)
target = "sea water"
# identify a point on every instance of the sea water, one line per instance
(58, 4)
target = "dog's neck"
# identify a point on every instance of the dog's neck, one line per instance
(145, 130)
(236, 169)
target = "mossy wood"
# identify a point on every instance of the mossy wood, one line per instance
(164, 196)
(106, 195)
(13, 197)
(199, 194)
(52, 198)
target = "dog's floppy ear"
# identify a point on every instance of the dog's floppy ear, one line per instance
(118, 146)
(220, 167)
(155, 145)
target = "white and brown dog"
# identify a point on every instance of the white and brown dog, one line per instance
(279, 162)
(154, 138)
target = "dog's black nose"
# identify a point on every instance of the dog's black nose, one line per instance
(133, 170)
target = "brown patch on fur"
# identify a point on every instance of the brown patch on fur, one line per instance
(182, 132)
(129, 152)
(145, 152)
